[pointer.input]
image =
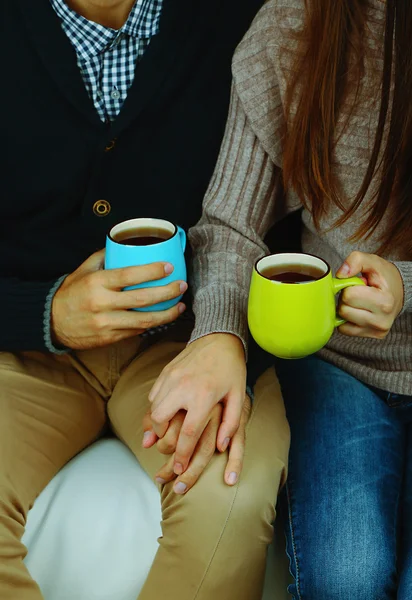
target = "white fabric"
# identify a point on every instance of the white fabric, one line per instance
(92, 533)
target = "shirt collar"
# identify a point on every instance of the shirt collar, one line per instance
(143, 20)
(90, 39)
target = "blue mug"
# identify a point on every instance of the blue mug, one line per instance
(171, 250)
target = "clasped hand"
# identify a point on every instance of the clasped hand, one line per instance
(198, 406)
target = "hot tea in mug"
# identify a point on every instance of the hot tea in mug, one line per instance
(143, 236)
(293, 273)
(292, 306)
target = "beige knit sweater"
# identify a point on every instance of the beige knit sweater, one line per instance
(241, 203)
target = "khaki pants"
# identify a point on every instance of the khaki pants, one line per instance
(214, 538)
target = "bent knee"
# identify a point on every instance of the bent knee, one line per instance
(252, 500)
(248, 505)
(255, 502)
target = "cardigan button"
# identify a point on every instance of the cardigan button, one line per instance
(101, 208)
(110, 145)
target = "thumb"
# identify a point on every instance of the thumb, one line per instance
(359, 263)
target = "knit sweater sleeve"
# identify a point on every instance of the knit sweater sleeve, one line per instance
(242, 201)
(238, 211)
(22, 314)
(405, 269)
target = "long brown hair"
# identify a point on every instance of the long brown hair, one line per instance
(329, 47)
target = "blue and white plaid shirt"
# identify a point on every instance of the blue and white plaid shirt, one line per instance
(107, 57)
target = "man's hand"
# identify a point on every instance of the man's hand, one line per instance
(209, 371)
(90, 309)
(370, 311)
(204, 451)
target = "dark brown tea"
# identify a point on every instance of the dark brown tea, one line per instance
(293, 273)
(144, 236)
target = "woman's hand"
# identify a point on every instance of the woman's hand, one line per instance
(209, 371)
(370, 311)
(204, 450)
(90, 309)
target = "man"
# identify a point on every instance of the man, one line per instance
(114, 109)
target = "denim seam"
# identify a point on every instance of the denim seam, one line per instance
(292, 533)
(229, 513)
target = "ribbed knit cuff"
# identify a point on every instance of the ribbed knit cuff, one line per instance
(22, 309)
(48, 342)
(405, 269)
(220, 309)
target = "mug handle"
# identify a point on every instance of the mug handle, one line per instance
(182, 236)
(342, 284)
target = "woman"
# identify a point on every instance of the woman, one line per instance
(321, 119)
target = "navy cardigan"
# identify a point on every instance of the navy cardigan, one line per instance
(58, 159)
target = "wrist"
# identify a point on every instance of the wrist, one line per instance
(220, 338)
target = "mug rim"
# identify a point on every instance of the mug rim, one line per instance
(109, 234)
(328, 268)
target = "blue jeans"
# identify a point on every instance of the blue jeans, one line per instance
(348, 500)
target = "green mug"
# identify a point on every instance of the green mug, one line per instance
(294, 319)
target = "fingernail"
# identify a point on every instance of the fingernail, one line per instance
(232, 478)
(225, 444)
(168, 268)
(182, 308)
(183, 287)
(160, 481)
(180, 488)
(146, 437)
(345, 269)
(178, 468)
